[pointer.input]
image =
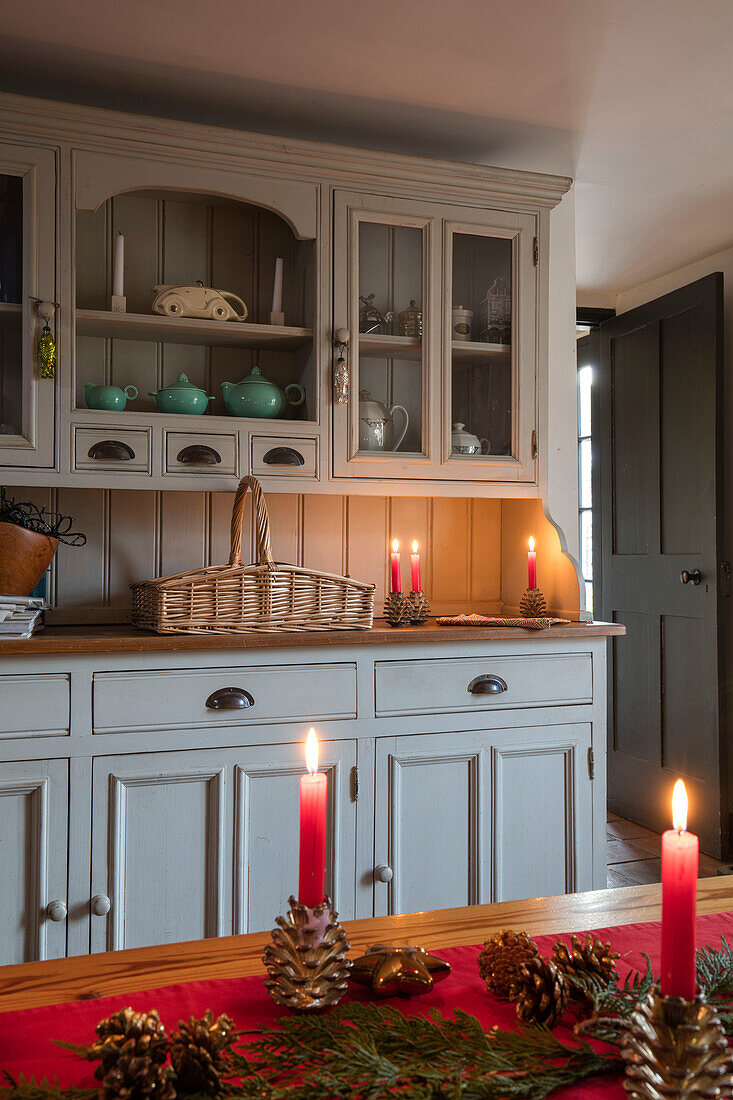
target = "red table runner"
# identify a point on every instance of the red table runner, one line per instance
(26, 1037)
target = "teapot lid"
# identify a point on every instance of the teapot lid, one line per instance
(256, 375)
(181, 383)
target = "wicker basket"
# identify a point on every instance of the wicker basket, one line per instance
(268, 597)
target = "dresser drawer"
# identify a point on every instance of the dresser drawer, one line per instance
(126, 449)
(271, 456)
(169, 700)
(458, 684)
(34, 705)
(190, 453)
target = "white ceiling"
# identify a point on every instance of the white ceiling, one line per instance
(634, 98)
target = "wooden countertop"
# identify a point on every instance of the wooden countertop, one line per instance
(128, 639)
(121, 972)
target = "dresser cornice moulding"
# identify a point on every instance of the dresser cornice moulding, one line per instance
(53, 122)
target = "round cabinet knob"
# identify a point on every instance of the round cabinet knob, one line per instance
(342, 336)
(383, 874)
(101, 905)
(56, 911)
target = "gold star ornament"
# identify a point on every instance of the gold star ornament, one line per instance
(404, 970)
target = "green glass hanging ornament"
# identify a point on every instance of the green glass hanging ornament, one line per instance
(47, 353)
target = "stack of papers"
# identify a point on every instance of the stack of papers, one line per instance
(21, 616)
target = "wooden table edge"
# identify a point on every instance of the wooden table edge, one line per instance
(120, 973)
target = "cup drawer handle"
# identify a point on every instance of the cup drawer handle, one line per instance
(283, 456)
(111, 449)
(487, 685)
(198, 454)
(230, 699)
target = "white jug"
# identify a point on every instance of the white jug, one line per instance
(376, 424)
(464, 442)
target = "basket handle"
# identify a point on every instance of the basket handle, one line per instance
(262, 520)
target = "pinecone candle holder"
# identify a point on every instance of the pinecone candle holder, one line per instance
(396, 609)
(532, 604)
(676, 1050)
(307, 960)
(419, 608)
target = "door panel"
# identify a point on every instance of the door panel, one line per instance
(657, 413)
(27, 260)
(466, 803)
(33, 858)
(159, 848)
(267, 815)
(554, 856)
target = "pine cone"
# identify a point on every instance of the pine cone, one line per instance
(197, 1050)
(543, 994)
(590, 956)
(532, 604)
(137, 1078)
(128, 1033)
(501, 960)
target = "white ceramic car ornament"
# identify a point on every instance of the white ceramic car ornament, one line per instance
(198, 301)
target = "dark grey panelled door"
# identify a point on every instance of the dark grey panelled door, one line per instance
(658, 414)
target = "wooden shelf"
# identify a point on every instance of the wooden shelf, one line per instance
(190, 330)
(377, 345)
(465, 351)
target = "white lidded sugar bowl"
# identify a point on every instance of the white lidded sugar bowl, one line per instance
(464, 442)
(376, 424)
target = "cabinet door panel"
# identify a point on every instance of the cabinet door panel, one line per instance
(266, 793)
(431, 821)
(27, 213)
(33, 858)
(159, 848)
(542, 827)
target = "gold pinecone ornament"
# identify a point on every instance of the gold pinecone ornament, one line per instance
(501, 961)
(136, 1078)
(397, 609)
(130, 1034)
(532, 604)
(676, 1050)
(588, 956)
(542, 993)
(307, 960)
(197, 1051)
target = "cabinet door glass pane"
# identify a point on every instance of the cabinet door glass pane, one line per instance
(480, 347)
(11, 286)
(390, 380)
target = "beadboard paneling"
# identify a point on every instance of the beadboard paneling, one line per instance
(473, 552)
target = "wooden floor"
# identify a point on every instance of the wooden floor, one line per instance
(634, 856)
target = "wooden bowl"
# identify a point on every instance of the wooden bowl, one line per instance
(24, 558)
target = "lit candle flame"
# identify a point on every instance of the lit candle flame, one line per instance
(395, 546)
(311, 751)
(414, 546)
(531, 542)
(679, 807)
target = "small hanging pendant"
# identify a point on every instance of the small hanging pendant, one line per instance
(47, 353)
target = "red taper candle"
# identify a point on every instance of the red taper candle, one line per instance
(531, 565)
(313, 792)
(415, 568)
(394, 561)
(679, 899)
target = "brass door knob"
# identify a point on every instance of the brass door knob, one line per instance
(693, 577)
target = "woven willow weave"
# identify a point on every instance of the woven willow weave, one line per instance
(268, 597)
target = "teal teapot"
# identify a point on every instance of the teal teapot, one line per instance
(181, 397)
(256, 396)
(109, 398)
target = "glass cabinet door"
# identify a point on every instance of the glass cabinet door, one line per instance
(490, 347)
(27, 235)
(383, 297)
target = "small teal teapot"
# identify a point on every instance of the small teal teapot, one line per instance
(181, 397)
(256, 396)
(109, 398)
